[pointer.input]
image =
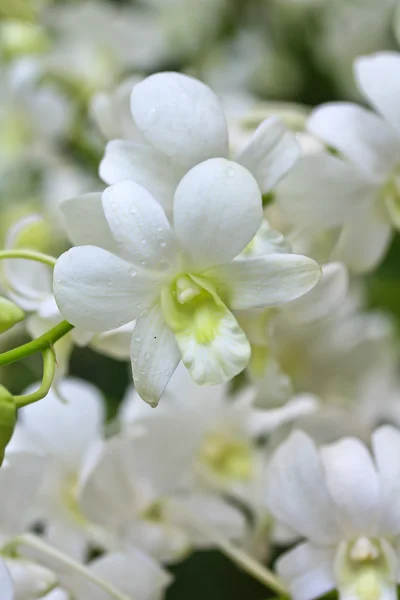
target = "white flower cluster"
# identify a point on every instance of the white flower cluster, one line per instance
(225, 259)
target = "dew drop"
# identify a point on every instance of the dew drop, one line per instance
(133, 209)
(159, 229)
(143, 262)
(137, 337)
(132, 272)
(110, 282)
(167, 372)
(146, 355)
(162, 243)
(231, 172)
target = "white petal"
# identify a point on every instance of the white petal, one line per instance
(132, 408)
(386, 447)
(132, 573)
(296, 490)
(181, 117)
(363, 241)
(112, 114)
(353, 485)
(217, 211)
(324, 298)
(98, 291)
(322, 191)
(219, 359)
(378, 77)
(271, 153)
(21, 477)
(30, 580)
(139, 226)
(273, 387)
(358, 134)
(52, 422)
(85, 222)
(57, 594)
(131, 472)
(162, 540)
(115, 343)
(64, 533)
(263, 422)
(266, 241)
(308, 571)
(6, 583)
(144, 165)
(265, 280)
(227, 520)
(154, 354)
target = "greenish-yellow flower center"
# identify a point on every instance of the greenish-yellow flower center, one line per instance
(227, 457)
(154, 512)
(365, 567)
(192, 305)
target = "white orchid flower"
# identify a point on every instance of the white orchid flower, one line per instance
(357, 192)
(180, 283)
(63, 430)
(33, 117)
(343, 501)
(29, 285)
(131, 487)
(228, 457)
(182, 123)
(112, 112)
(278, 335)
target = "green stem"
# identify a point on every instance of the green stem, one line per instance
(239, 557)
(46, 259)
(49, 367)
(41, 343)
(31, 541)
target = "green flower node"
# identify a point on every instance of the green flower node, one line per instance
(8, 419)
(10, 314)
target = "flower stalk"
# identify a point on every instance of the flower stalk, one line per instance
(49, 366)
(35, 543)
(41, 343)
(241, 559)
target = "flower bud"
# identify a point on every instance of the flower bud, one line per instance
(10, 314)
(8, 419)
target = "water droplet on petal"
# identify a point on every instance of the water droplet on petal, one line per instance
(137, 337)
(231, 172)
(133, 209)
(132, 272)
